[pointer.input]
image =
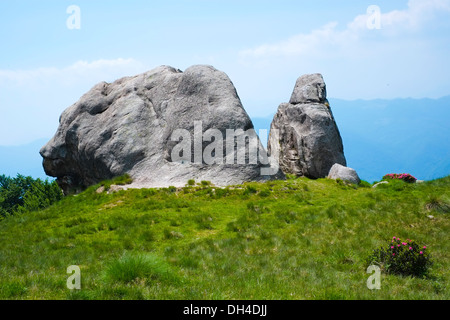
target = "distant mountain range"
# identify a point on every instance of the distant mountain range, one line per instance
(380, 137)
(392, 136)
(24, 159)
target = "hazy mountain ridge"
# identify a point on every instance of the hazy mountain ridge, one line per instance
(23, 159)
(400, 135)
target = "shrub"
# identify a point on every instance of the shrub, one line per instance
(438, 204)
(191, 182)
(131, 267)
(404, 176)
(402, 257)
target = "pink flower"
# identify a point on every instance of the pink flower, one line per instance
(410, 248)
(398, 245)
(393, 254)
(404, 243)
(392, 247)
(425, 247)
(421, 252)
(394, 238)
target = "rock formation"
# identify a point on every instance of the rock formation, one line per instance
(346, 174)
(304, 136)
(162, 127)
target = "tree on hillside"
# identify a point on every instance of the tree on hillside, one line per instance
(26, 194)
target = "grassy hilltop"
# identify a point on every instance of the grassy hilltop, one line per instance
(294, 239)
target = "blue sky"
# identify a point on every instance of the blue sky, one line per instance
(262, 45)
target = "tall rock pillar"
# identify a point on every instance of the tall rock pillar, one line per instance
(304, 136)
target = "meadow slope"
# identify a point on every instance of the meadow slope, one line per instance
(294, 239)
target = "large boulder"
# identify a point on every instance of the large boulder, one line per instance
(344, 173)
(163, 127)
(304, 136)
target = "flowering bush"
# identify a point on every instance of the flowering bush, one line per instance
(402, 257)
(404, 176)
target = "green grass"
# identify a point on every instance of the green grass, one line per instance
(120, 181)
(135, 267)
(294, 239)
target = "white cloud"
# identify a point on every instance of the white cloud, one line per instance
(418, 14)
(393, 23)
(407, 57)
(79, 71)
(299, 44)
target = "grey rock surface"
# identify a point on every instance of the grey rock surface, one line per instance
(379, 184)
(130, 126)
(304, 136)
(309, 88)
(344, 173)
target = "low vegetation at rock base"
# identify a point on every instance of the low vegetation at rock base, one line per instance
(404, 176)
(293, 239)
